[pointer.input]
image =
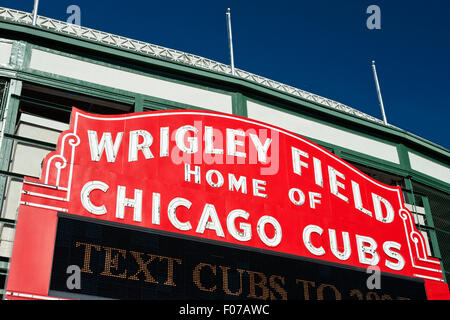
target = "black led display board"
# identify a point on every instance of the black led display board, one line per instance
(122, 263)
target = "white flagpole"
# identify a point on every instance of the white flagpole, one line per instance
(230, 40)
(380, 99)
(35, 10)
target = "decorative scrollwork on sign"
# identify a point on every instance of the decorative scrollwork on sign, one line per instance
(416, 243)
(57, 171)
(58, 162)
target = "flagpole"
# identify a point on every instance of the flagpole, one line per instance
(230, 40)
(35, 10)
(380, 99)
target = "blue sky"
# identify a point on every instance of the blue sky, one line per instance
(320, 46)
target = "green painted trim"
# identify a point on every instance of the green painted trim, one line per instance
(64, 84)
(18, 55)
(429, 181)
(413, 176)
(3, 183)
(403, 156)
(430, 224)
(36, 102)
(4, 99)
(7, 222)
(14, 175)
(32, 142)
(27, 56)
(239, 104)
(14, 87)
(10, 122)
(13, 108)
(332, 148)
(350, 155)
(409, 190)
(138, 104)
(154, 103)
(3, 179)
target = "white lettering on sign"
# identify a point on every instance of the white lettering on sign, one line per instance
(262, 149)
(377, 201)
(106, 143)
(341, 255)
(246, 231)
(216, 179)
(233, 143)
(186, 139)
(358, 200)
(86, 200)
(384, 211)
(209, 142)
(210, 220)
(366, 247)
(237, 184)
(193, 141)
(135, 203)
(144, 146)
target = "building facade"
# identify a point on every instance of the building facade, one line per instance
(47, 69)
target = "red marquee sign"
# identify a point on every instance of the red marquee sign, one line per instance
(218, 177)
